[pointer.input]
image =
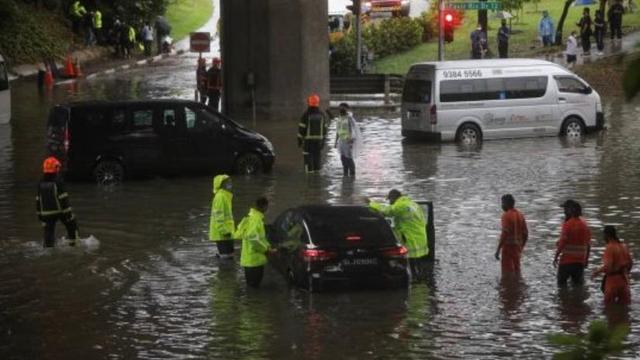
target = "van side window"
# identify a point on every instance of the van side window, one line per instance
(200, 120)
(169, 118)
(118, 120)
(570, 84)
(493, 89)
(141, 119)
(4, 78)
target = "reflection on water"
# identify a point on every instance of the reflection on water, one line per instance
(153, 289)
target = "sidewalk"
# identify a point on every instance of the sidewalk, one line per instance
(611, 48)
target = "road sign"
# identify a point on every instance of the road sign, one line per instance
(474, 5)
(200, 42)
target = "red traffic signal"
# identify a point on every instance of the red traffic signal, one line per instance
(448, 26)
(448, 18)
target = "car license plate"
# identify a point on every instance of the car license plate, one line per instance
(360, 262)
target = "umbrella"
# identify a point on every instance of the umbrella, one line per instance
(503, 15)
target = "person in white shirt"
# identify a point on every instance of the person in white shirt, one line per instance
(572, 50)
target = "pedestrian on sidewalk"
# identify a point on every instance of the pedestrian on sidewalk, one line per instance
(347, 139)
(573, 247)
(147, 38)
(513, 237)
(599, 26)
(77, 12)
(201, 79)
(572, 50)
(616, 266)
(545, 29)
(478, 43)
(96, 22)
(163, 29)
(503, 40)
(615, 19)
(214, 83)
(585, 31)
(87, 25)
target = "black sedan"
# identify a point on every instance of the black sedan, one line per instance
(323, 245)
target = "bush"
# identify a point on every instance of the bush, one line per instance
(429, 21)
(391, 36)
(343, 55)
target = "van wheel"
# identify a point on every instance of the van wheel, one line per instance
(248, 164)
(573, 128)
(469, 134)
(108, 172)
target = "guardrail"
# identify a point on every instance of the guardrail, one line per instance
(368, 90)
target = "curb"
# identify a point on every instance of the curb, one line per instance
(33, 72)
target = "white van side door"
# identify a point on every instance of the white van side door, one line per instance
(574, 99)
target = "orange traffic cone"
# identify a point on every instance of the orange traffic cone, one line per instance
(68, 68)
(77, 68)
(48, 77)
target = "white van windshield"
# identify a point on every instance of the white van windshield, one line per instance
(417, 91)
(4, 78)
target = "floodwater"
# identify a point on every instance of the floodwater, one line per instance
(146, 284)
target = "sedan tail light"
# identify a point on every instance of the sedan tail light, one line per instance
(317, 255)
(395, 252)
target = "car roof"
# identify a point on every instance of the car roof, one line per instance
(461, 64)
(101, 103)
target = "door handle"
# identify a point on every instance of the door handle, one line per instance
(562, 99)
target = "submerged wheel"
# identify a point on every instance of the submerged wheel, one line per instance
(469, 134)
(573, 128)
(248, 164)
(108, 172)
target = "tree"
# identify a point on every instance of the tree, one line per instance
(563, 17)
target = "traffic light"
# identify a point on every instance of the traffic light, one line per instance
(448, 26)
(356, 7)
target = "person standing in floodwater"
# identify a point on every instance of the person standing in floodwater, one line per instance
(513, 236)
(573, 247)
(616, 266)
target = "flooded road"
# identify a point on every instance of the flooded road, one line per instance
(147, 284)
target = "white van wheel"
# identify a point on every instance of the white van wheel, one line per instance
(469, 134)
(573, 128)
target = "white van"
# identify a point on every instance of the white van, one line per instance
(5, 93)
(471, 100)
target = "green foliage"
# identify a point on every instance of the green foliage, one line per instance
(631, 78)
(392, 35)
(597, 344)
(429, 21)
(343, 59)
(512, 5)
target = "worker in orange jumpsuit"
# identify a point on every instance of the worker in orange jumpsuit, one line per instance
(513, 237)
(573, 247)
(616, 266)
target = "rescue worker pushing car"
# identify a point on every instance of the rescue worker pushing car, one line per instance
(312, 131)
(52, 204)
(221, 224)
(410, 226)
(255, 246)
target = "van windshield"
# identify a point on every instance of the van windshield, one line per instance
(417, 91)
(4, 78)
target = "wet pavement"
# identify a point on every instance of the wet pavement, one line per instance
(146, 283)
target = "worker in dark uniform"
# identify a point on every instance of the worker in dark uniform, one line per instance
(52, 204)
(214, 83)
(312, 132)
(201, 80)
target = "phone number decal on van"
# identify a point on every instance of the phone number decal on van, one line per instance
(460, 74)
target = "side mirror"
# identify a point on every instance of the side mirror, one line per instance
(588, 90)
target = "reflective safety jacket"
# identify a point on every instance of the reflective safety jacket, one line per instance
(221, 225)
(312, 126)
(575, 241)
(77, 10)
(52, 200)
(214, 79)
(97, 20)
(409, 223)
(514, 228)
(131, 35)
(254, 239)
(343, 128)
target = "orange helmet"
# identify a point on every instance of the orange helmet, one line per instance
(313, 100)
(51, 165)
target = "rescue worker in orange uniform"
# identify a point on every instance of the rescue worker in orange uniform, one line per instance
(616, 265)
(574, 245)
(52, 204)
(214, 83)
(201, 80)
(513, 237)
(312, 132)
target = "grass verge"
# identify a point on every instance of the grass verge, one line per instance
(186, 16)
(523, 43)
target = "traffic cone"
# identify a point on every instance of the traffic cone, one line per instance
(77, 68)
(68, 68)
(48, 77)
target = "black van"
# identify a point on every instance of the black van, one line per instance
(111, 141)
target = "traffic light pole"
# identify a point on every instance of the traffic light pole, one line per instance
(440, 30)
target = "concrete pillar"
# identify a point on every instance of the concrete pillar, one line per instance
(285, 45)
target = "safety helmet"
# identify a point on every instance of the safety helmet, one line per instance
(217, 61)
(313, 100)
(51, 165)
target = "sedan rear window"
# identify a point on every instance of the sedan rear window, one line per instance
(340, 229)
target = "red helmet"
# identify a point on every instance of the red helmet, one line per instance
(217, 61)
(313, 100)
(51, 165)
